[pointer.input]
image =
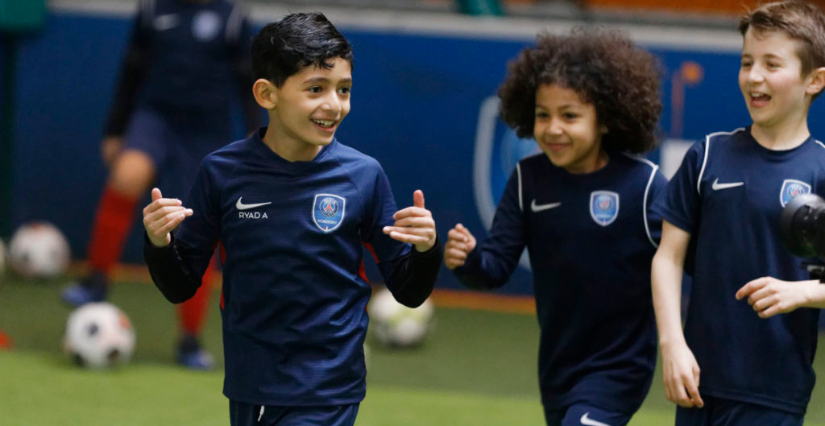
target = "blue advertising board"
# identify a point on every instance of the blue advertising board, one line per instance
(423, 104)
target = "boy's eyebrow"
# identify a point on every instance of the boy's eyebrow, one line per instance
(324, 80)
(765, 55)
(538, 105)
(574, 106)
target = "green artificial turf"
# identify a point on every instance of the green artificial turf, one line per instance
(476, 368)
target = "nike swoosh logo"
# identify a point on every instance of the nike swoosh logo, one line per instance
(590, 422)
(241, 206)
(537, 208)
(717, 186)
(165, 22)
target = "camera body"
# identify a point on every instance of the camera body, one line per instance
(802, 230)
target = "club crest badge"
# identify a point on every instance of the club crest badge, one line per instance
(206, 25)
(328, 211)
(604, 207)
(791, 188)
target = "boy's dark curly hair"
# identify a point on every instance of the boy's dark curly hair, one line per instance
(605, 68)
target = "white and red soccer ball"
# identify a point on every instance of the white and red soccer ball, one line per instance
(38, 250)
(98, 336)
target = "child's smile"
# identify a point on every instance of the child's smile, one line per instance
(567, 130)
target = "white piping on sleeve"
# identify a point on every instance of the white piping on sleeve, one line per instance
(644, 206)
(520, 202)
(647, 191)
(707, 151)
(640, 159)
(704, 163)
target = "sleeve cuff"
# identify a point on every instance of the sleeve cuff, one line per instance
(436, 248)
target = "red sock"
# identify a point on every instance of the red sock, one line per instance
(192, 313)
(5, 341)
(112, 224)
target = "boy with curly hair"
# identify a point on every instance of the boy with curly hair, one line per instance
(581, 209)
(725, 203)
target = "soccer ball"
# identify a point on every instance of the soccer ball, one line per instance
(99, 335)
(38, 250)
(397, 326)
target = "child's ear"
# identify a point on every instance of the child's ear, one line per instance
(265, 94)
(817, 83)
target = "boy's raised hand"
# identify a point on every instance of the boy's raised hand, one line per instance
(161, 216)
(414, 225)
(460, 242)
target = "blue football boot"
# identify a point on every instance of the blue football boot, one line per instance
(191, 355)
(88, 290)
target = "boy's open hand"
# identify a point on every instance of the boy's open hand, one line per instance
(414, 225)
(769, 296)
(161, 216)
(460, 242)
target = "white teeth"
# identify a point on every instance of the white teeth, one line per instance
(324, 123)
(756, 95)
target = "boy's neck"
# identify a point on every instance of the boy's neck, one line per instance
(783, 136)
(288, 149)
(597, 163)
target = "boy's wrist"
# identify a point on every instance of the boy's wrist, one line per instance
(814, 295)
(669, 342)
(428, 249)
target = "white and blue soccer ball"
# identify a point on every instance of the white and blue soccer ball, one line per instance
(394, 325)
(38, 250)
(98, 336)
